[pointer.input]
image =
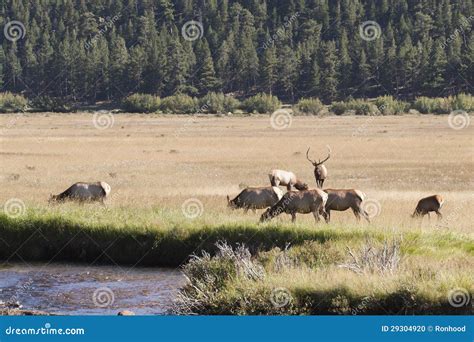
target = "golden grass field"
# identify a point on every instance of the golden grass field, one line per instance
(152, 160)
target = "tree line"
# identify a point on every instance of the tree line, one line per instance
(88, 51)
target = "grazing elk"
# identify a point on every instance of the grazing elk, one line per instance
(428, 204)
(286, 178)
(256, 198)
(343, 199)
(82, 192)
(301, 202)
(320, 171)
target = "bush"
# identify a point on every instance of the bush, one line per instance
(50, 104)
(463, 102)
(218, 103)
(444, 105)
(180, 104)
(387, 105)
(142, 103)
(360, 107)
(261, 103)
(12, 103)
(311, 106)
(338, 108)
(437, 105)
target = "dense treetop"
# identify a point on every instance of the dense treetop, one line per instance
(107, 49)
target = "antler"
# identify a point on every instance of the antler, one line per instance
(329, 155)
(307, 157)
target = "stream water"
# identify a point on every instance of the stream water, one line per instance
(75, 289)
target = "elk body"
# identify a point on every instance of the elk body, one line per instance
(343, 199)
(82, 192)
(427, 205)
(320, 171)
(286, 178)
(298, 202)
(256, 198)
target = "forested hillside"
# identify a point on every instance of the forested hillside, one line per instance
(106, 49)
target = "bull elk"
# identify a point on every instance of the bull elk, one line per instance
(343, 199)
(301, 202)
(286, 178)
(83, 192)
(427, 205)
(255, 198)
(320, 171)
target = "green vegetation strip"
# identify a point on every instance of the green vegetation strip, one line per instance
(46, 235)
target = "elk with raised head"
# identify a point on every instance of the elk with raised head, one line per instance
(298, 202)
(343, 199)
(286, 178)
(320, 171)
(83, 192)
(427, 205)
(255, 198)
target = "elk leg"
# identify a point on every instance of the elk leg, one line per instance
(324, 214)
(328, 216)
(293, 217)
(316, 215)
(356, 214)
(254, 210)
(366, 215)
(440, 216)
(246, 210)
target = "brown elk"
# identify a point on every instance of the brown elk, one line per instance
(302, 202)
(83, 192)
(255, 198)
(320, 171)
(343, 199)
(286, 178)
(427, 205)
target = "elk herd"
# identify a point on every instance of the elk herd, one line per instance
(299, 198)
(319, 202)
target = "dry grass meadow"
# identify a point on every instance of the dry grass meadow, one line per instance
(154, 164)
(160, 161)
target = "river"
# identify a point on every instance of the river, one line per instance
(77, 289)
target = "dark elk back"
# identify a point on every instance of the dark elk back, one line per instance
(320, 171)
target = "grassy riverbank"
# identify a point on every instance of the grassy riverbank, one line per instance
(330, 269)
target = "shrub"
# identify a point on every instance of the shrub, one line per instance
(463, 102)
(180, 104)
(50, 104)
(437, 105)
(12, 103)
(218, 103)
(360, 107)
(261, 103)
(387, 105)
(310, 106)
(338, 108)
(142, 103)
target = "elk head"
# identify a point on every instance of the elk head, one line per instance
(320, 171)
